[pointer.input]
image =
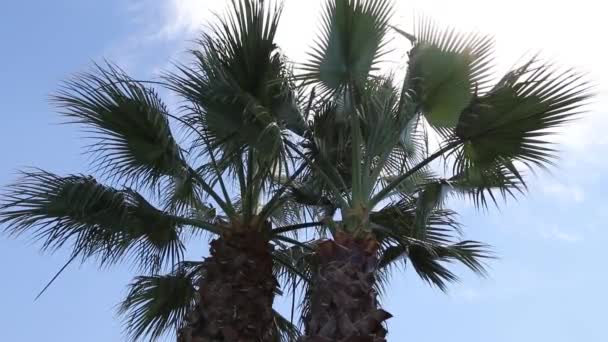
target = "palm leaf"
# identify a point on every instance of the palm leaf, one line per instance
(294, 262)
(382, 130)
(239, 83)
(513, 121)
(294, 268)
(481, 184)
(128, 122)
(430, 262)
(329, 148)
(428, 244)
(410, 149)
(283, 330)
(351, 42)
(99, 221)
(182, 194)
(446, 69)
(157, 305)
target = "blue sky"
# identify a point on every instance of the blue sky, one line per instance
(548, 284)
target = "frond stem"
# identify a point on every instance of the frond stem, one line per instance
(213, 228)
(269, 207)
(337, 192)
(395, 183)
(286, 229)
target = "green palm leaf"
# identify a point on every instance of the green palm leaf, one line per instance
(128, 122)
(239, 83)
(283, 329)
(99, 221)
(329, 147)
(446, 70)
(350, 45)
(428, 244)
(159, 305)
(479, 184)
(514, 119)
(381, 145)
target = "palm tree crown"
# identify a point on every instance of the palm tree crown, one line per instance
(334, 143)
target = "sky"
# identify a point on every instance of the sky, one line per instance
(548, 283)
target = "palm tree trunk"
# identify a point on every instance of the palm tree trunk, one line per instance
(344, 304)
(235, 293)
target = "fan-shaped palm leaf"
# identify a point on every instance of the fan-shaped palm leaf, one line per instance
(350, 45)
(99, 221)
(159, 305)
(428, 244)
(239, 84)
(513, 120)
(128, 122)
(446, 70)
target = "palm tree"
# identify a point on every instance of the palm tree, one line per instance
(368, 154)
(239, 108)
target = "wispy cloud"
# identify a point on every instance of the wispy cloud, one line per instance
(552, 232)
(184, 18)
(562, 192)
(508, 279)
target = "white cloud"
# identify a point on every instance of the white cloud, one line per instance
(184, 18)
(552, 232)
(588, 134)
(563, 192)
(534, 224)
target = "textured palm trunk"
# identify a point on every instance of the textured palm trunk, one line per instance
(344, 304)
(236, 292)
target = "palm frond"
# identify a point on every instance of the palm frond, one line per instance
(410, 149)
(305, 203)
(294, 262)
(283, 330)
(428, 244)
(390, 139)
(158, 305)
(351, 42)
(128, 123)
(482, 184)
(294, 268)
(514, 120)
(184, 194)
(430, 262)
(400, 220)
(446, 69)
(329, 148)
(239, 84)
(412, 184)
(287, 212)
(382, 132)
(99, 221)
